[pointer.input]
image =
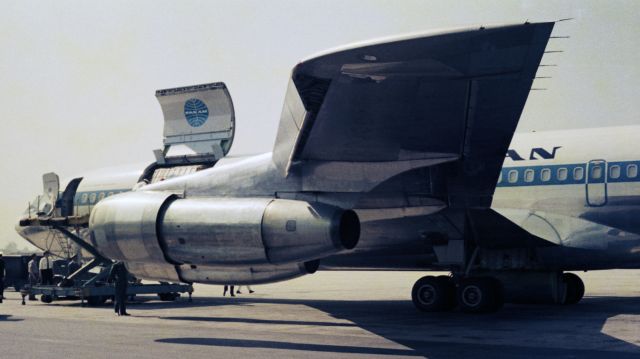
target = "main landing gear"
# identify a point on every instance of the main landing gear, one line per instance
(484, 294)
(574, 288)
(433, 294)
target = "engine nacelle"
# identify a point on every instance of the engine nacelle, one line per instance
(158, 228)
(238, 231)
(246, 275)
(125, 226)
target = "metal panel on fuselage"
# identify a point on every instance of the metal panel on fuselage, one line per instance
(582, 193)
(560, 184)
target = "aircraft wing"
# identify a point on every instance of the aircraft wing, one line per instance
(355, 117)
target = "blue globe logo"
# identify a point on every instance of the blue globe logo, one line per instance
(196, 112)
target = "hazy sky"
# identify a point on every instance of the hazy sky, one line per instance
(77, 78)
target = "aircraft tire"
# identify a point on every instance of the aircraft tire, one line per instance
(480, 295)
(96, 300)
(45, 298)
(498, 300)
(168, 297)
(574, 287)
(430, 294)
(450, 291)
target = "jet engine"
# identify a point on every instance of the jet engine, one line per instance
(203, 235)
(246, 275)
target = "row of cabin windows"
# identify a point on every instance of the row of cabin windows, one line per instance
(94, 197)
(578, 173)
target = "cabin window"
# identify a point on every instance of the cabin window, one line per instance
(545, 175)
(109, 194)
(528, 176)
(562, 174)
(632, 171)
(614, 171)
(578, 173)
(92, 198)
(500, 177)
(101, 196)
(513, 176)
(596, 172)
(84, 198)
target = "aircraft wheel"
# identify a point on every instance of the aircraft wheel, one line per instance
(431, 294)
(574, 287)
(96, 300)
(45, 298)
(450, 291)
(480, 295)
(168, 297)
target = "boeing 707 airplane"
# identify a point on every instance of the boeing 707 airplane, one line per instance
(396, 154)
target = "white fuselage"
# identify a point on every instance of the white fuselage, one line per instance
(576, 188)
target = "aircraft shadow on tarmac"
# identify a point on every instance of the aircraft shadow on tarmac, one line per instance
(267, 344)
(539, 331)
(7, 318)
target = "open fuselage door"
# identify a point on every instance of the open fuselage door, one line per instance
(199, 125)
(198, 120)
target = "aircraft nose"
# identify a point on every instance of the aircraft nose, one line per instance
(21, 228)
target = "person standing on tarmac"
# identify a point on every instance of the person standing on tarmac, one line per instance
(1, 278)
(46, 269)
(33, 274)
(225, 290)
(248, 288)
(120, 275)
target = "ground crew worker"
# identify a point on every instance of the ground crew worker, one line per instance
(1, 278)
(120, 275)
(248, 287)
(46, 269)
(225, 290)
(33, 274)
(72, 265)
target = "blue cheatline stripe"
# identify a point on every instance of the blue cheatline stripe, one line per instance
(92, 197)
(569, 174)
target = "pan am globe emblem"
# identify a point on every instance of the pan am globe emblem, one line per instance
(196, 112)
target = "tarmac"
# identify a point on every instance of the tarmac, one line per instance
(328, 315)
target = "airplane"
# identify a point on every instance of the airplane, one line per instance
(395, 154)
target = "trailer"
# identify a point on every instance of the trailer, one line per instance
(90, 283)
(16, 271)
(96, 294)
